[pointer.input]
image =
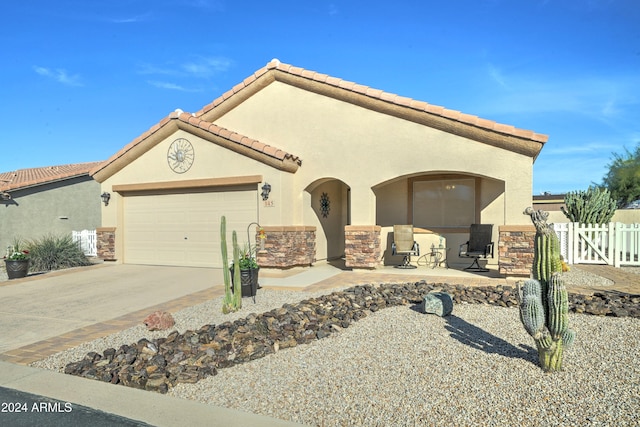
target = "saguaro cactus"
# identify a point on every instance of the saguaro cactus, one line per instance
(544, 303)
(232, 297)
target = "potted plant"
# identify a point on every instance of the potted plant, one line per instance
(16, 262)
(249, 270)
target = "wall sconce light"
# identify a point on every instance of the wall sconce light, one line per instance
(5, 196)
(105, 198)
(266, 189)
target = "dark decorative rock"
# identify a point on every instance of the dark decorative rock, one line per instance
(438, 303)
(157, 365)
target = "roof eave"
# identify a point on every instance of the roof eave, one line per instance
(508, 137)
(205, 130)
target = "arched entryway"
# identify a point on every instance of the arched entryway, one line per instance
(444, 203)
(330, 201)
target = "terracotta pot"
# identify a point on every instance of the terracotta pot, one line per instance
(16, 268)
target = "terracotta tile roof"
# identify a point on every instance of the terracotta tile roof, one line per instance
(375, 94)
(207, 130)
(253, 144)
(203, 122)
(23, 178)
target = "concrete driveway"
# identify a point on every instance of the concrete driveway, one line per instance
(48, 305)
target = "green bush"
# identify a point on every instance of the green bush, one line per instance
(53, 252)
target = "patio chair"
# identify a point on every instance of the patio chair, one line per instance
(404, 244)
(478, 245)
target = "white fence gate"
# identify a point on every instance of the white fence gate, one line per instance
(87, 241)
(614, 244)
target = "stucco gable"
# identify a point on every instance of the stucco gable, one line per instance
(187, 122)
(202, 123)
(24, 178)
(508, 137)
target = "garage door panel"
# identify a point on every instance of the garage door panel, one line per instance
(184, 229)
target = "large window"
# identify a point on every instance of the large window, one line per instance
(444, 203)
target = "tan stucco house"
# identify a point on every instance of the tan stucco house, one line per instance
(342, 162)
(51, 200)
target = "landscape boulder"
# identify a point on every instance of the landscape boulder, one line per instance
(438, 303)
(159, 321)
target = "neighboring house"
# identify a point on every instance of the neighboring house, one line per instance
(343, 162)
(553, 203)
(49, 200)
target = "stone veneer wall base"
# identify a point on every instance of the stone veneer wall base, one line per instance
(287, 246)
(362, 246)
(515, 249)
(106, 243)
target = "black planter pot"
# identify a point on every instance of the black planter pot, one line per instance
(16, 268)
(248, 281)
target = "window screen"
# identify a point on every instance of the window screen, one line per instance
(444, 203)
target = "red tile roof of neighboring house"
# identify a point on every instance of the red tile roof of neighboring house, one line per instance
(23, 178)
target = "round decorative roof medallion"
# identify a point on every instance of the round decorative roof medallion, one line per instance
(180, 155)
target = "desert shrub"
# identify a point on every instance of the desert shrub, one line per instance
(55, 252)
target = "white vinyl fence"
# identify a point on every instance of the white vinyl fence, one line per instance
(87, 241)
(614, 244)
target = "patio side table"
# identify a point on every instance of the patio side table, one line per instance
(439, 256)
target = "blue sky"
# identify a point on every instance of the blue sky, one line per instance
(81, 79)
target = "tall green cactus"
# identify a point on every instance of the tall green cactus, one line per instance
(237, 289)
(594, 206)
(232, 297)
(544, 302)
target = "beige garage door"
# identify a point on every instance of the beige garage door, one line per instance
(184, 229)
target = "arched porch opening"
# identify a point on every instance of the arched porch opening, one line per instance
(441, 206)
(330, 201)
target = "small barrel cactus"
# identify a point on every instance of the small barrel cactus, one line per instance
(544, 302)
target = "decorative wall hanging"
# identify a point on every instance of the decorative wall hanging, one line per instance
(180, 155)
(324, 205)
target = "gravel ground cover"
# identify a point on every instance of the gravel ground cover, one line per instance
(403, 368)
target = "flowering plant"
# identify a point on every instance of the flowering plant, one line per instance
(247, 262)
(247, 259)
(17, 255)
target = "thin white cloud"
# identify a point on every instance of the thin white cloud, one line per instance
(59, 75)
(600, 97)
(496, 75)
(131, 19)
(206, 67)
(201, 67)
(559, 174)
(145, 68)
(170, 86)
(333, 9)
(588, 148)
(214, 5)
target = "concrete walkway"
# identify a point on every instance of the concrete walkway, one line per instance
(622, 281)
(62, 303)
(43, 314)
